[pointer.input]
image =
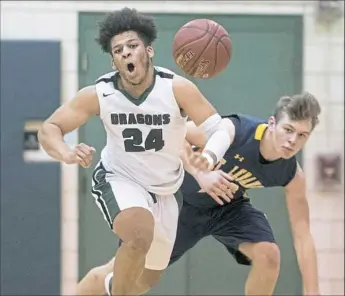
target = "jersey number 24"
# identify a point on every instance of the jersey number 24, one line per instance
(134, 140)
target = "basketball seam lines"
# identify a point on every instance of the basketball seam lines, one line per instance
(207, 44)
(216, 51)
(205, 33)
(219, 39)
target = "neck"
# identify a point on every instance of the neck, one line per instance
(137, 89)
(267, 147)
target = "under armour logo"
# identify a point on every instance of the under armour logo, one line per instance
(239, 158)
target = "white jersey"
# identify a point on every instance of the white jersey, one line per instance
(144, 136)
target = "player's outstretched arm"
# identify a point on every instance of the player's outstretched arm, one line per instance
(204, 115)
(197, 137)
(65, 119)
(216, 183)
(298, 209)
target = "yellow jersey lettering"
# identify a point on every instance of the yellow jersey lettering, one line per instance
(234, 169)
(256, 184)
(240, 173)
(244, 177)
(244, 183)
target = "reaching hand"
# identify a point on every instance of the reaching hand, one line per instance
(196, 159)
(217, 184)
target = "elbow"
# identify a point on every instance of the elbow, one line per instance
(46, 131)
(302, 234)
(304, 245)
(40, 134)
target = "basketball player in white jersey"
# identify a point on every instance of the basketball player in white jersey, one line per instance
(143, 109)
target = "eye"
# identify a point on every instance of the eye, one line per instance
(302, 135)
(288, 130)
(132, 46)
(117, 50)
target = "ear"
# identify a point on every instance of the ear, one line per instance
(271, 123)
(113, 64)
(150, 51)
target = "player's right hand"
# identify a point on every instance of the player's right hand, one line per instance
(81, 154)
(217, 184)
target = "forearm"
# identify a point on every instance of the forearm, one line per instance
(51, 138)
(218, 138)
(307, 261)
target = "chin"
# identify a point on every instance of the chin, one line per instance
(137, 80)
(132, 79)
(288, 154)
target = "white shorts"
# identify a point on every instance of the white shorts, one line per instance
(115, 193)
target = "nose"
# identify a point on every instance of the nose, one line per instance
(126, 52)
(292, 139)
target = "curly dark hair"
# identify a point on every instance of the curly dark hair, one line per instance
(124, 20)
(302, 106)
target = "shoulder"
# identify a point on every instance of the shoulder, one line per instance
(246, 119)
(87, 92)
(108, 77)
(183, 86)
(164, 73)
(86, 99)
(246, 127)
(297, 180)
(290, 170)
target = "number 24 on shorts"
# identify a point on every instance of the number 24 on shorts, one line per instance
(134, 140)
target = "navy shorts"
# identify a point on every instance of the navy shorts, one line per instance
(231, 225)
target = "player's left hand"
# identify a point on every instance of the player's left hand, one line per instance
(217, 184)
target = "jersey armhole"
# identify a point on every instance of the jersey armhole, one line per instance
(182, 113)
(292, 174)
(100, 102)
(235, 119)
(107, 78)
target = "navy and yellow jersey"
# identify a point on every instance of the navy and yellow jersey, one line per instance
(244, 162)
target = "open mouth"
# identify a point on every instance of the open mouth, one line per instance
(130, 67)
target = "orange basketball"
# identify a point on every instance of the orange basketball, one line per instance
(202, 48)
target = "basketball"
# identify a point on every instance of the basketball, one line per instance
(202, 48)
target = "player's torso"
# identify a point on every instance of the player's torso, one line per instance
(145, 135)
(246, 165)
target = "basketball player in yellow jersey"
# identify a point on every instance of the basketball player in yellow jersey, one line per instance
(143, 109)
(262, 154)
